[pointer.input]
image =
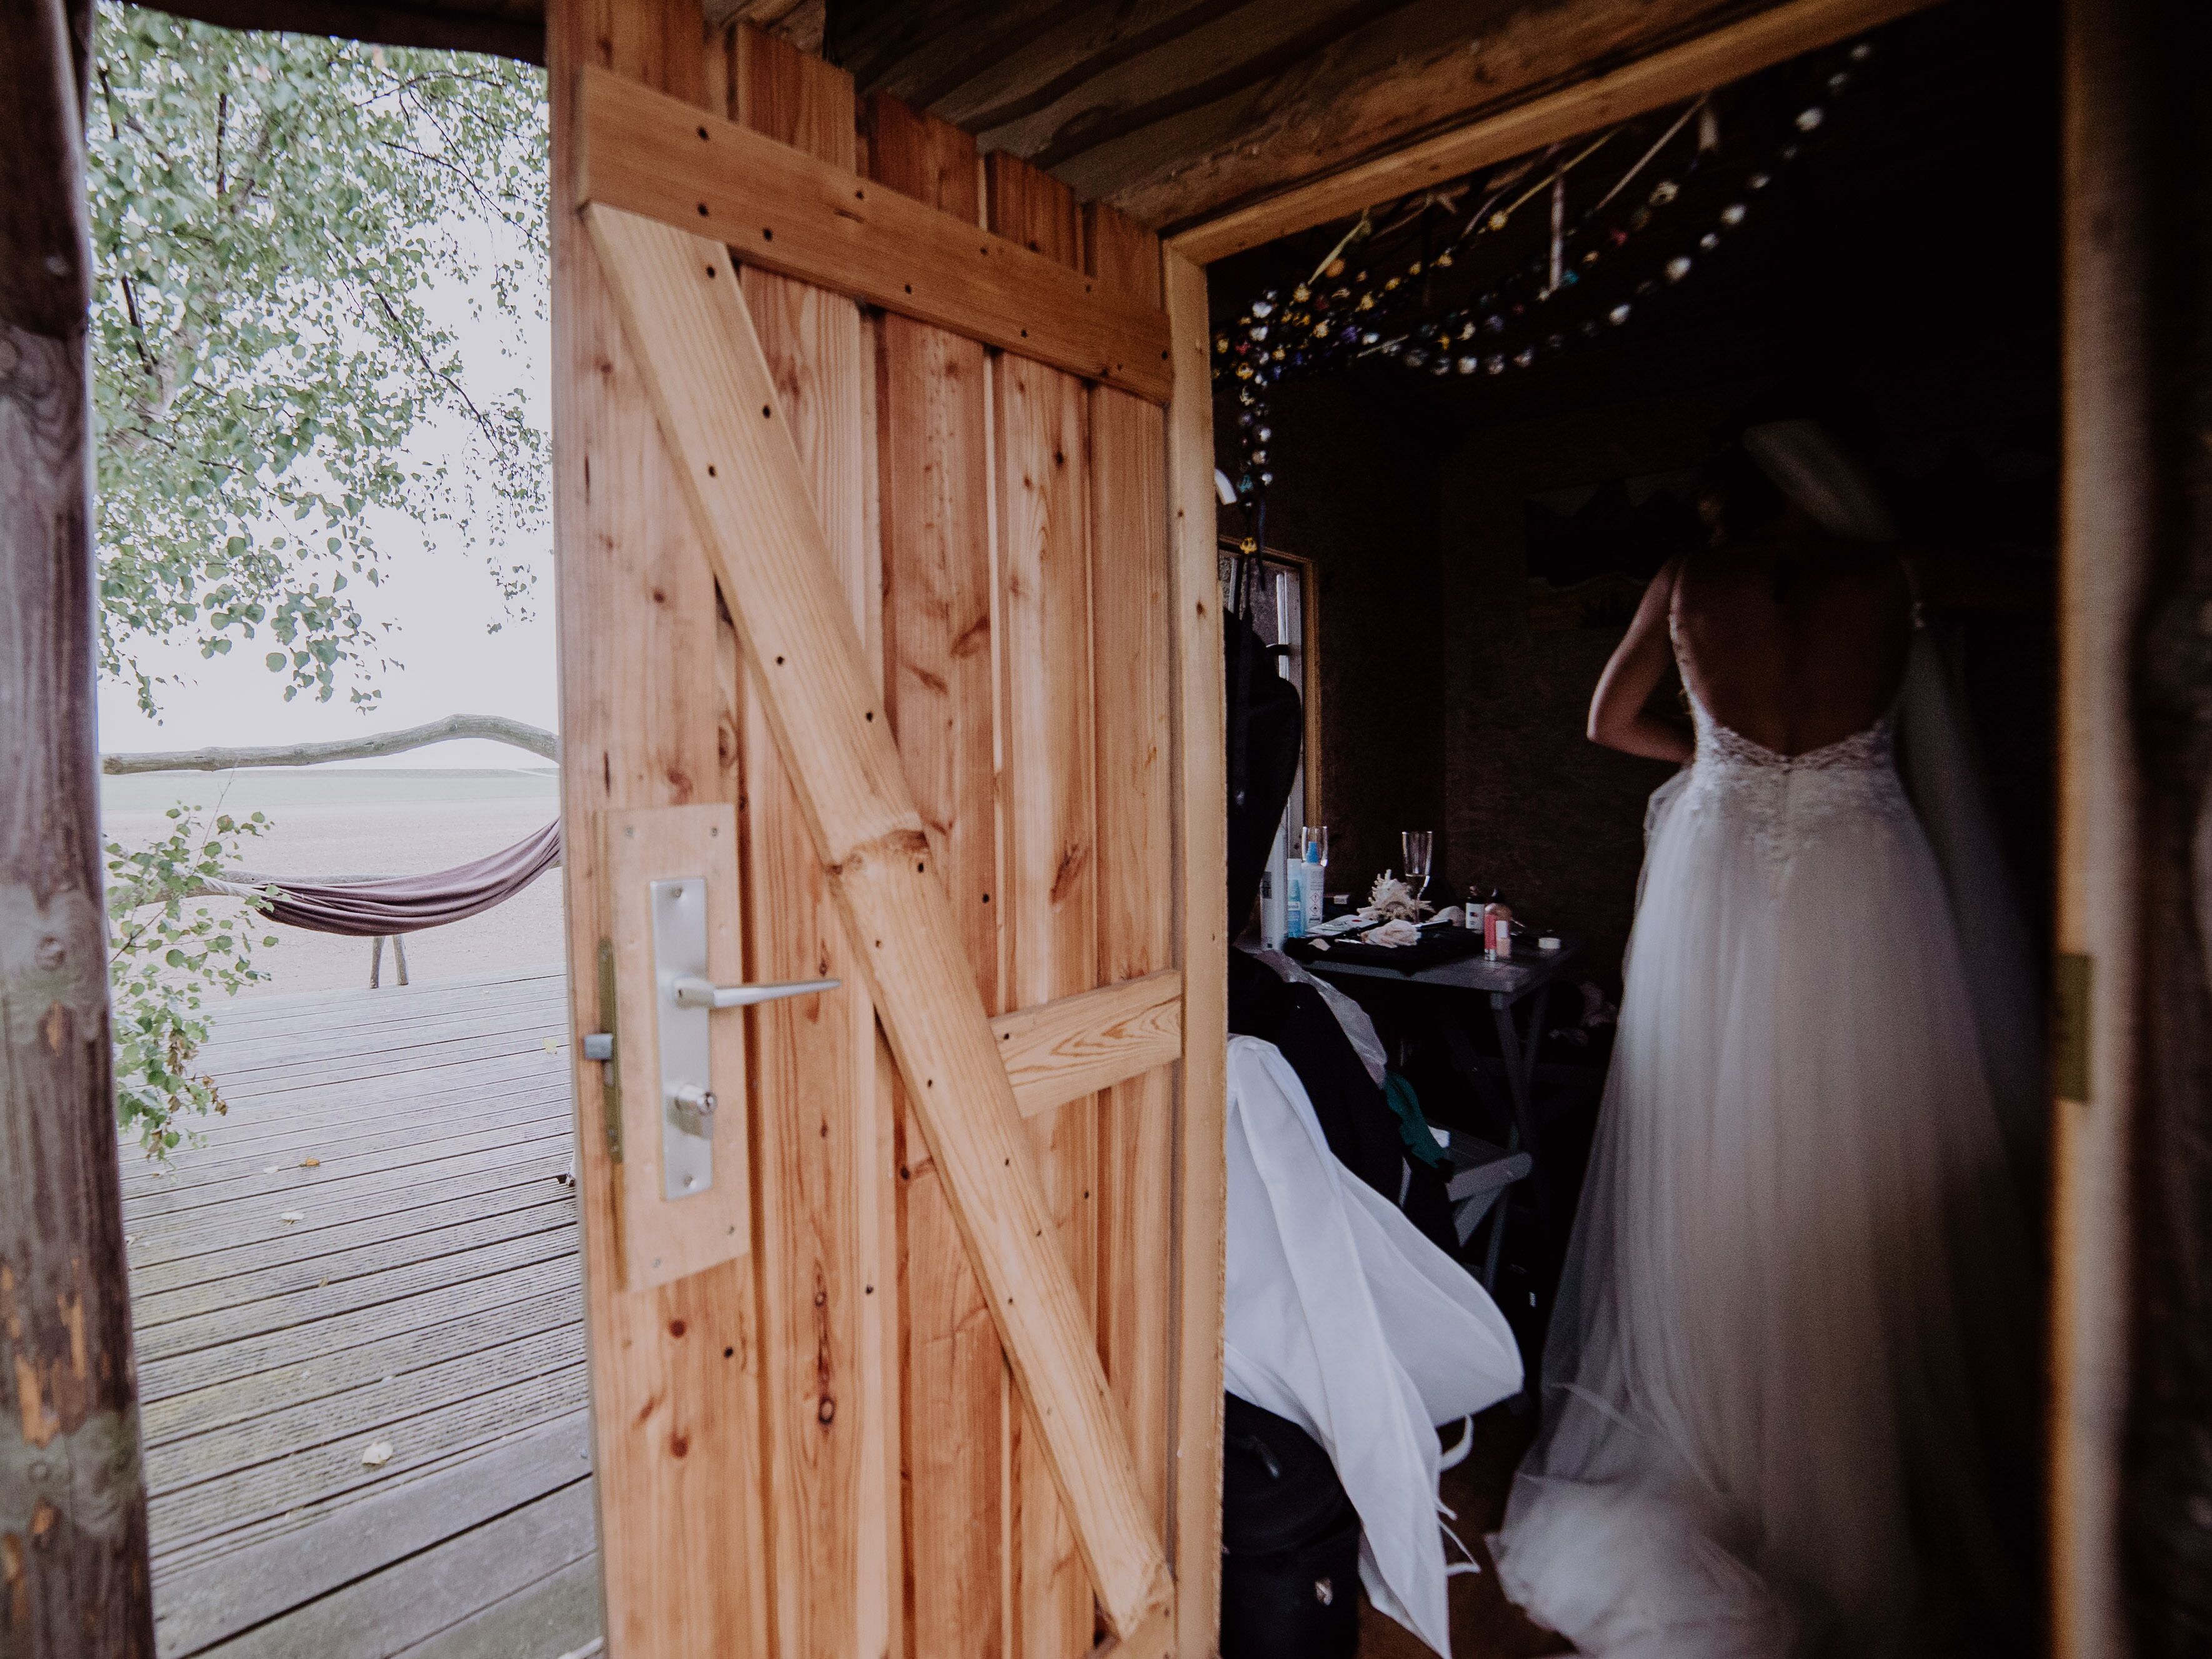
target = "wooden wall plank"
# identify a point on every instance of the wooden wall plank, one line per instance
(1049, 788)
(1132, 644)
(815, 1102)
(715, 396)
(1202, 948)
(817, 222)
(933, 459)
(645, 722)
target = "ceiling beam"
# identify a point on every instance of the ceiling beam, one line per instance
(517, 31)
(1487, 128)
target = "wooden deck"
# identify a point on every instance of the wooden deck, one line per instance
(427, 1297)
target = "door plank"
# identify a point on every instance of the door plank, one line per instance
(1202, 947)
(781, 209)
(646, 721)
(1133, 641)
(940, 689)
(702, 363)
(1048, 784)
(814, 1103)
(1073, 1047)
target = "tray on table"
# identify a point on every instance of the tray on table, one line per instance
(1440, 943)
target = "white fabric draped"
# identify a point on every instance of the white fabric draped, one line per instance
(1343, 1319)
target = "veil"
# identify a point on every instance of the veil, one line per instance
(1941, 775)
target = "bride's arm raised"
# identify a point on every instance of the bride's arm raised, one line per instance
(1619, 715)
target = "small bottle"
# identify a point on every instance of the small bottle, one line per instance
(1295, 880)
(1312, 879)
(1497, 930)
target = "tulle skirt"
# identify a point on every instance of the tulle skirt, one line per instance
(1790, 1386)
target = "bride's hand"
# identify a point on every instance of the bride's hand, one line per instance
(1620, 715)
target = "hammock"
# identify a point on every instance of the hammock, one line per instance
(402, 904)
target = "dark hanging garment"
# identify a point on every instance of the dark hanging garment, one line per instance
(1267, 727)
(1290, 1543)
(1354, 1118)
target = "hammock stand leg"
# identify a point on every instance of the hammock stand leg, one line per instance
(376, 959)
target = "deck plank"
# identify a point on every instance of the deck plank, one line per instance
(428, 1296)
(223, 1598)
(434, 1592)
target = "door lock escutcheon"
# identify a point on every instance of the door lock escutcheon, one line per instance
(685, 998)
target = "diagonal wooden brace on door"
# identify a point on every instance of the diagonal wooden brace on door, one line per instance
(711, 387)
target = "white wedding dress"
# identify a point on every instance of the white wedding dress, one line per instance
(1789, 1387)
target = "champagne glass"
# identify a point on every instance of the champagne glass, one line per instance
(1417, 845)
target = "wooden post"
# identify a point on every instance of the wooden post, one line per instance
(73, 1567)
(2135, 898)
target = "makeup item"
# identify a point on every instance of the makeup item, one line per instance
(1496, 931)
(1296, 874)
(1314, 877)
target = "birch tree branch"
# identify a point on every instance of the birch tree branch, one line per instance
(497, 728)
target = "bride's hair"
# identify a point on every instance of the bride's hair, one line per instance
(1736, 498)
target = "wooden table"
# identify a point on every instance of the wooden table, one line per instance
(1505, 986)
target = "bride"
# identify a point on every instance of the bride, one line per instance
(1790, 1378)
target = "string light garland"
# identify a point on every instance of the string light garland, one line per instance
(1541, 308)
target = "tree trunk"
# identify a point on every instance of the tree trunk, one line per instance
(73, 1565)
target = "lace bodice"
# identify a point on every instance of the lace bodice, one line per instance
(1788, 800)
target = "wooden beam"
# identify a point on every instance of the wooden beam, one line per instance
(74, 1579)
(1483, 132)
(502, 30)
(687, 317)
(787, 212)
(1201, 829)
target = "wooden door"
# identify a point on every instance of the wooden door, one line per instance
(885, 526)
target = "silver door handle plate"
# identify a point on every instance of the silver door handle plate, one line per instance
(685, 996)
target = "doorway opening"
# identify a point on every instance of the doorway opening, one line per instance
(1486, 415)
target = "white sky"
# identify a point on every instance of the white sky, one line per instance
(435, 597)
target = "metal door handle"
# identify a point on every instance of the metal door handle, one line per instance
(692, 992)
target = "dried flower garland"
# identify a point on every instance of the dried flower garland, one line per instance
(1338, 316)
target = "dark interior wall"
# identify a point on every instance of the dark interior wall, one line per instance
(1534, 809)
(1903, 275)
(1356, 493)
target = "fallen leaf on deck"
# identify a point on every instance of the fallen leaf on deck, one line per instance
(293, 1215)
(551, 1046)
(378, 1455)
(311, 1164)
